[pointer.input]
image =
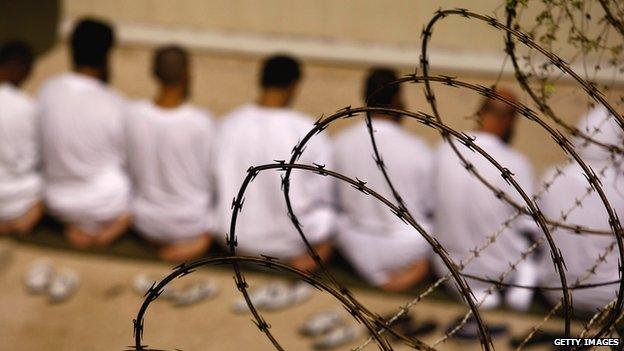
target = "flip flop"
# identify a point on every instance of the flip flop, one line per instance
(143, 282)
(339, 336)
(321, 322)
(39, 277)
(63, 285)
(275, 296)
(194, 293)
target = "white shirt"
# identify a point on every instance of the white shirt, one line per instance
(20, 181)
(468, 212)
(580, 252)
(83, 149)
(169, 153)
(251, 136)
(375, 240)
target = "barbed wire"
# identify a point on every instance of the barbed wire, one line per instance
(376, 325)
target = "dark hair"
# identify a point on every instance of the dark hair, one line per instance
(170, 64)
(16, 51)
(91, 41)
(280, 71)
(374, 92)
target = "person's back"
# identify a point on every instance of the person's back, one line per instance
(82, 130)
(169, 156)
(82, 135)
(582, 251)
(262, 133)
(480, 212)
(468, 213)
(253, 135)
(384, 250)
(411, 174)
(20, 181)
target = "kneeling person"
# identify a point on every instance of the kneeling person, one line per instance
(386, 251)
(169, 147)
(259, 133)
(86, 186)
(20, 181)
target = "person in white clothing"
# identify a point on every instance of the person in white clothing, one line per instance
(20, 181)
(582, 252)
(82, 132)
(386, 251)
(467, 212)
(169, 151)
(261, 133)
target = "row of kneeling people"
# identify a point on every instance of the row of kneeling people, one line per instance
(170, 170)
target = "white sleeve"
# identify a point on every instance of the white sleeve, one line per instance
(312, 195)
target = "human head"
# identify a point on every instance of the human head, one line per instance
(91, 42)
(281, 73)
(378, 93)
(497, 117)
(16, 59)
(171, 67)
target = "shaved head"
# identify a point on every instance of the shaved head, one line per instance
(171, 65)
(498, 117)
(491, 103)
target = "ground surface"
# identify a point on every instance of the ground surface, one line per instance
(99, 316)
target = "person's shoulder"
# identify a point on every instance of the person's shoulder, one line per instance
(199, 117)
(53, 84)
(413, 141)
(442, 148)
(136, 108)
(17, 98)
(236, 118)
(237, 113)
(300, 118)
(301, 124)
(349, 132)
(199, 113)
(113, 96)
(520, 159)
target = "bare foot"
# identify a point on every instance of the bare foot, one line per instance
(407, 277)
(113, 230)
(186, 250)
(78, 238)
(25, 224)
(305, 262)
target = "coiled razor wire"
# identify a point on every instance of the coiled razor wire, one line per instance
(376, 325)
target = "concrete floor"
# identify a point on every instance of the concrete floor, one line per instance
(99, 316)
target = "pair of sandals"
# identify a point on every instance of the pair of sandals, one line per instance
(330, 329)
(188, 295)
(58, 284)
(274, 296)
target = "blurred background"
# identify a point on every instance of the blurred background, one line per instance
(337, 40)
